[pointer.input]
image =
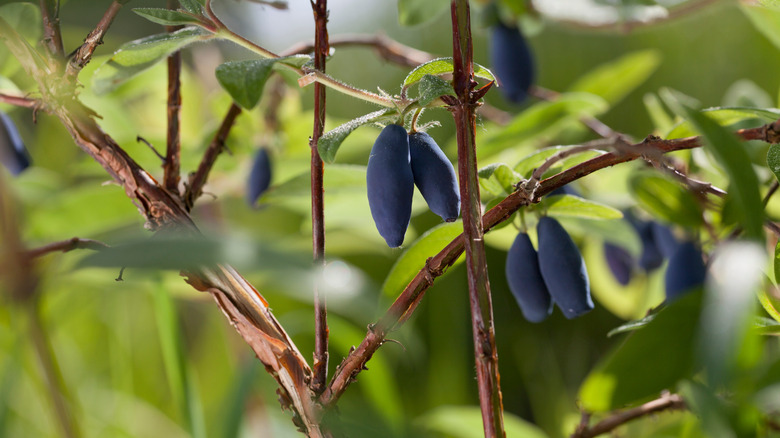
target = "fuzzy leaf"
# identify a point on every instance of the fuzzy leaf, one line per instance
(244, 80)
(194, 6)
(574, 206)
(330, 142)
(166, 17)
(432, 88)
(441, 66)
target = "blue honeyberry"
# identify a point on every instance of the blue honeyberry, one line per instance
(512, 62)
(620, 262)
(686, 270)
(259, 177)
(390, 184)
(525, 280)
(563, 269)
(434, 176)
(664, 239)
(13, 153)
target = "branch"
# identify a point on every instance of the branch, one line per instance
(52, 36)
(386, 48)
(84, 53)
(406, 302)
(65, 246)
(665, 402)
(198, 180)
(320, 9)
(25, 102)
(171, 165)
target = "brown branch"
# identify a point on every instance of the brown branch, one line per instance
(84, 53)
(385, 47)
(25, 102)
(483, 330)
(772, 189)
(198, 180)
(52, 35)
(665, 402)
(320, 366)
(65, 246)
(172, 163)
(400, 311)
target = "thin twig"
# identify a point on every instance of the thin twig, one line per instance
(320, 366)
(198, 180)
(66, 245)
(483, 330)
(386, 48)
(772, 189)
(22, 101)
(84, 53)
(171, 164)
(665, 402)
(400, 311)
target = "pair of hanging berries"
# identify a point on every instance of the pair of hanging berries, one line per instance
(398, 162)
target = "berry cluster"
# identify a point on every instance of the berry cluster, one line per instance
(398, 162)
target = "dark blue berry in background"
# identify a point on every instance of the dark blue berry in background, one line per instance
(564, 190)
(390, 184)
(13, 154)
(620, 262)
(651, 257)
(664, 239)
(686, 270)
(434, 176)
(525, 280)
(259, 177)
(563, 269)
(512, 62)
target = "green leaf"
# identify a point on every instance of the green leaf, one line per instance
(765, 20)
(498, 178)
(136, 56)
(25, 18)
(631, 326)
(440, 66)
(727, 117)
(665, 199)
(766, 326)
(193, 6)
(466, 422)
(413, 12)
(574, 206)
(413, 259)
(616, 79)
(244, 80)
(659, 116)
(649, 361)
(526, 166)
(330, 142)
(432, 88)
(731, 154)
(166, 17)
(773, 159)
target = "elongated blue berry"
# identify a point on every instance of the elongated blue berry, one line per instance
(620, 262)
(13, 153)
(563, 269)
(686, 270)
(512, 62)
(259, 177)
(434, 176)
(651, 257)
(664, 239)
(390, 184)
(525, 280)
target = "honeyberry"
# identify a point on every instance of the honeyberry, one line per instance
(620, 262)
(512, 62)
(525, 280)
(434, 176)
(686, 270)
(13, 153)
(259, 177)
(390, 184)
(651, 257)
(664, 239)
(563, 269)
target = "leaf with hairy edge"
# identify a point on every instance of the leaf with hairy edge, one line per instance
(498, 178)
(616, 79)
(413, 259)
(773, 159)
(194, 6)
(574, 206)
(731, 154)
(330, 142)
(244, 80)
(432, 88)
(136, 56)
(167, 17)
(440, 66)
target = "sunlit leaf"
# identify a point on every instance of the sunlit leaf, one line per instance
(498, 178)
(575, 206)
(631, 326)
(244, 80)
(765, 20)
(166, 17)
(432, 88)
(441, 66)
(330, 142)
(727, 117)
(615, 80)
(665, 199)
(466, 422)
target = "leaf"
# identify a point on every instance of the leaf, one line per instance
(166, 17)
(136, 56)
(659, 116)
(244, 80)
(194, 6)
(413, 12)
(727, 117)
(440, 66)
(634, 371)
(631, 326)
(25, 18)
(616, 79)
(575, 206)
(766, 326)
(432, 88)
(413, 259)
(773, 159)
(765, 20)
(330, 142)
(498, 178)
(665, 199)
(466, 422)
(526, 166)
(731, 154)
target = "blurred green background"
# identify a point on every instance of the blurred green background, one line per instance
(150, 356)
